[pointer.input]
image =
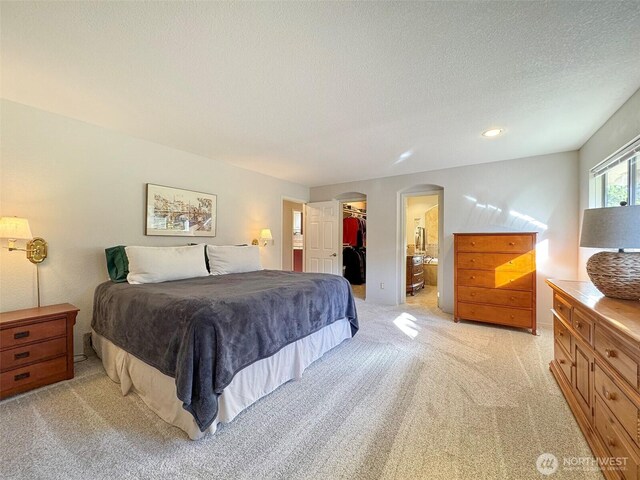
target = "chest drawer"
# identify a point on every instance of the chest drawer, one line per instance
(609, 430)
(622, 408)
(496, 296)
(561, 334)
(488, 279)
(562, 358)
(33, 332)
(494, 314)
(32, 353)
(495, 243)
(583, 325)
(35, 373)
(505, 262)
(617, 358)
(562, 308)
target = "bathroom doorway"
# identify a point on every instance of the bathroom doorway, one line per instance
(292, 236)
(423, 236)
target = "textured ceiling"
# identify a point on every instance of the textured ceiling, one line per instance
(320, 93)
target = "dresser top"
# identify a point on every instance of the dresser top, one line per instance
(621, 315)
(36, 312)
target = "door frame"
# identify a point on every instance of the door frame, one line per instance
(402, 251)
(284, 198)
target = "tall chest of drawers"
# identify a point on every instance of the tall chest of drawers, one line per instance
(415, 273)
(597, 366)
(36, 347)
(495, 278)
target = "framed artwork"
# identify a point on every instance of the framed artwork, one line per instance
(177, 212)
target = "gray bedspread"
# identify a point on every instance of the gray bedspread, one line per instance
(202, 331)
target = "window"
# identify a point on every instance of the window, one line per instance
(617, 179)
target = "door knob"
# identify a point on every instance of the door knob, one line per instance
(334, 254)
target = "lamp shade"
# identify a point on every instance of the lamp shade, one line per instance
(15, 228)
(265, 234)
(611, 227)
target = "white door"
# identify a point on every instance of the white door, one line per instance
(321, 237)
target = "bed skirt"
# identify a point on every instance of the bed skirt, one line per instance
(250, 384)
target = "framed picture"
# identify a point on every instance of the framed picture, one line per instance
(177, 212)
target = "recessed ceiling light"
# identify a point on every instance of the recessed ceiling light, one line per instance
(494, 132)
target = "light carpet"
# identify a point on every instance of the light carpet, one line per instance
(412, 396)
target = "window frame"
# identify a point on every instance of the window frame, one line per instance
(629, 154)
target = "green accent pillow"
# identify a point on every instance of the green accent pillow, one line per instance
(117, 263)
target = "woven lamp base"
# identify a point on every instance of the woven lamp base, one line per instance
(616, 274)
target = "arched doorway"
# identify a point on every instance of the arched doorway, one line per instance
(353, 235)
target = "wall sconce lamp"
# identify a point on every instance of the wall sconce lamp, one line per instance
(265, 237)
(14, 228)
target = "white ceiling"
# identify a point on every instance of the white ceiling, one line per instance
(321, 93)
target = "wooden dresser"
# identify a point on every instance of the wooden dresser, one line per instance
(415, 273)
(596, 364)
(495, 278)
(36, 347)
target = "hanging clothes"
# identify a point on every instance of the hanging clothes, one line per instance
(354, 261)
(354, 231)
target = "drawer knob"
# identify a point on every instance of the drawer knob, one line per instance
(610, 353)
(473, 294)
(611, 442)
(20, 355)
(21, 376)
(561, 361)
(511, 244)
(473, 260)
(18, 335)
(473, 244)
(512, 317)
(510, 262)
(608, 395)
(560, 333)
(578, 324)
(473, 277)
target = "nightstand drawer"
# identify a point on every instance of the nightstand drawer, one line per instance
(55, 327)
(32, 353)
(24, 376)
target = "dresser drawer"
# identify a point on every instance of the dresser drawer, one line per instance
(562, 308)
(616, 357)
(495, 243)
(622, 408)
(563, 360)
(583, 325)
(504, 280)
(561, 334)
(504, 262)
(32, 353)
(33, 332)
(24, 376)
(610, 431)
(496, 296)
(494, 314)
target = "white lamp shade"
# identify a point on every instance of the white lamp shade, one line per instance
(15, 228)
(611, 227)
(265, 234)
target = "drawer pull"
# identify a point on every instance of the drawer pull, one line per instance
(473, 277)
(473, 294)
(611, 442)
(578, 324)
(561, 361)
(473, 244)
(18, 335)
(608, 395)
(20, 355)
(512, 317)
(511, 244)
(610, 353)
(512, 298)
(473, 260)
(510, 262)
(21, 376)
(560, 333)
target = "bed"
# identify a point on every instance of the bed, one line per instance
(198, 351)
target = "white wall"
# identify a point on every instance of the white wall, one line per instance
(620, 129)
(83, 189)
(543, 187)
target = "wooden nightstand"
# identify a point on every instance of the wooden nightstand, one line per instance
(36, 347)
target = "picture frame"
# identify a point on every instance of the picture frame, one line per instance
(182, 213)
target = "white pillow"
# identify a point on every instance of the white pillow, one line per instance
(231, 259)
(162, 264)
